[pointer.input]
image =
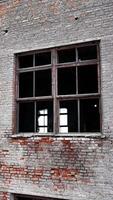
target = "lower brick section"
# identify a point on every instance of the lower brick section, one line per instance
(56, 167)
(5, 196)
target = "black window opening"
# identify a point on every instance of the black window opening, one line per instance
(66, 55)
(35, 198)
(66, 81)
(58, 93)
(26, 197)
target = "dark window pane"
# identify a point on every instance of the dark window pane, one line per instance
(68, 121)
(43, 58)
(26, 61)
(44, 120)
(89, 115)
(66, 55)
(66, 81)
(26, 117)
(43, 83)
(87, 53)
(24, 198)
(26, 84)
(36, 198)
(87, 79)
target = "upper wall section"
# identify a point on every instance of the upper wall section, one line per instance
(26, 25)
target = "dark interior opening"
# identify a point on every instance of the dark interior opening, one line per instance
(43, 58)
(34, 198)
(89, 115)
(44, 113)
(26, 84)
(87, 79)
(69, 109)
(23, 198)
(66, 55)
(26, 117)
(87, 53)
(25, 61)
(43, 83)
(66, 81)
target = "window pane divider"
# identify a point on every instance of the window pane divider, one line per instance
(87, 62)
(33, 77)
(76, 96)
(35, 118)
(98, 70)
(78, 110)
(78, 63)
(34, 98)
(35, 68)
(17, 118)
(71, 64)
(54, 91)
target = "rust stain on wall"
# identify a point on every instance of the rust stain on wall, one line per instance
(64, 173)
(5, 7)
(54, 7)
(9, 172)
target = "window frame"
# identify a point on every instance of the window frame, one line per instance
(55, 97)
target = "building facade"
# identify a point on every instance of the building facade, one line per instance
(56, 99)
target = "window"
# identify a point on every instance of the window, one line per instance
(25, 197)
(59, 90)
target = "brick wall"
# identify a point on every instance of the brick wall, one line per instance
(70, 168)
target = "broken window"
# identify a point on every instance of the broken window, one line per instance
(26, 117)
(44, 117)
(43, 58)
(26, 61)
(26, 84)
(66, 80)
(87, 53)
(87, 79)
(68, 120)
(66, 55)
(43, 82)
(89, 115)
(59, 93)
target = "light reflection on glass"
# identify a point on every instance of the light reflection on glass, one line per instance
(63, 121)
(43, 121)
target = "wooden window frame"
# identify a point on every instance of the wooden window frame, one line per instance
(54, 66)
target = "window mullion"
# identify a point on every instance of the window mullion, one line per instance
(54, 91)
(17, 93)
(76, 72)
(17, 119)
(34, 94)
(33, 76)
(78, 101)
(98, 69)
(35, 118)
(17, 79)
(78, 106)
